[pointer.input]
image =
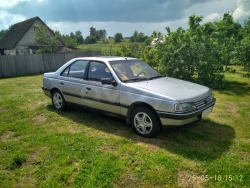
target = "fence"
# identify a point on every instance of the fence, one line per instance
(21, 65)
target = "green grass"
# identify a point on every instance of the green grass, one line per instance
(108, 47)
(41, 147)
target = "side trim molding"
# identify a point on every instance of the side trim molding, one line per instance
(97, 100)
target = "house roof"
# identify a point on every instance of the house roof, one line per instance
(16, 32)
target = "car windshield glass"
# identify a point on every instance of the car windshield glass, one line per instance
(133, 70)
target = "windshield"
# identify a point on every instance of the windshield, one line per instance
(133, 70)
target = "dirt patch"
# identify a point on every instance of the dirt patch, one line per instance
(7, 136)
(189, 179)
(71, 128)
(108, 149)
(128, 180)
(33, 89)
(148, 143)
(28, 180)
(224, 110)
(33, 105)
(2, 109)
(98, 133)
(34, 157)
(40, 119)
(150, 147)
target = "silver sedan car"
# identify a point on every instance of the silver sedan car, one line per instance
(129, 89)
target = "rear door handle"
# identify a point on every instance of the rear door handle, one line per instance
(88, 89)
(61, 83)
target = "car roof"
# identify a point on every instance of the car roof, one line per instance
(106, 58)
(100, 58)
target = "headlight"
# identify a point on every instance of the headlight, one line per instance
(178, 107)
(184, 107)
(188, 106)
(211, 95)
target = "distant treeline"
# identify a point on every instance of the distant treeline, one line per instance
(3, 32)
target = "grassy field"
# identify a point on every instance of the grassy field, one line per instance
(107, 47)
(40, 147)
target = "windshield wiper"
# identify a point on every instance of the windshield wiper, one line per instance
(141, 79)
(158, 76)
(136, 79)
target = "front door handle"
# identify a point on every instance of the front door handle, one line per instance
(61, 83)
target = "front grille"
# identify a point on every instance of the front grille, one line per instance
(203, 102)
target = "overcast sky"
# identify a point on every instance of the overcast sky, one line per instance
(124, 16)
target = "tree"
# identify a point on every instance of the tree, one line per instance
(133, 38)
(2, 33)
(192, 54)
(90, 40)
(228, 37)
(138, 37)
(243, 48)
(243, 52)
(156, 34)
(118, 37)
(97, 36)
(100, 34)
(67, 40)
(92, 31)
(45, 37)
(79, 37)
(72, 35)
(194, 22)
(103, 33)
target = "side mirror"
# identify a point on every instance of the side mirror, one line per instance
(108, 81)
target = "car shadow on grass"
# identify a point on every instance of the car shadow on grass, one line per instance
(236, 88)
(204, 140)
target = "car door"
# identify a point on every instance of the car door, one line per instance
(72, 83)
(99, 96)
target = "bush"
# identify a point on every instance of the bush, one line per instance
(17, 161)
(118, 37)
(80, 40)
(190, 55)
(90, 40)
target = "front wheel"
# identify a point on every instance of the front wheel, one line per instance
(58, 100)
(145, 122)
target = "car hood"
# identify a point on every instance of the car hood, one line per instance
(174, 88)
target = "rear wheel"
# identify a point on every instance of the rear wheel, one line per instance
(145, 122)
(58, 100)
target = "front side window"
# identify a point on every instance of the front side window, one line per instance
(97, 71)
(76, 69)
(134, 70)
(65, 72)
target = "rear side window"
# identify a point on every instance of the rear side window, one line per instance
(75, 70)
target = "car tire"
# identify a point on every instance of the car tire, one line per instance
(58, 101)
(145, 122)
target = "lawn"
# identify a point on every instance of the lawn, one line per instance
(107, 47)
(41, 147)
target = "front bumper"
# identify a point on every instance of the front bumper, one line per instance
(184, 118)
